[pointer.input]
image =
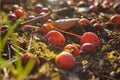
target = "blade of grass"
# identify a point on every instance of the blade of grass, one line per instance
(8, 65)
(29, 44)
(27, 69)
(9, 33)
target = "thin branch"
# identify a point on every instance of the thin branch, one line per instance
(35, 20)
(40, 18)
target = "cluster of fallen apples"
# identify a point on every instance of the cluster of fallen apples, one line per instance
(66, 59)
(89, 42)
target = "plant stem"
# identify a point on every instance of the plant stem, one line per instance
(35, 20)
(69, 33)
(16, 50)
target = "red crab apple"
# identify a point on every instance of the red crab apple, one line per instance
(115, 19)
(65, 61)
(12, 16)
(3, 30)
(88, 47)
(55, 38)
(15, 6)
(19, 12)
(94, 8)
(26, 57)
(90, 37)
(83, 21)
(38, 8)
(72, 49)
(98, 26)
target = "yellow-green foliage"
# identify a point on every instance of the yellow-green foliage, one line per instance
(41, 49)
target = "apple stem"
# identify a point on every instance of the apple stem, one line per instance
(69, 33)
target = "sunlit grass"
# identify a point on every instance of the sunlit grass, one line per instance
(38, 48)
(18, 71)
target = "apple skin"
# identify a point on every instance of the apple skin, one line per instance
(72, 49)
(83, 21)
(19, 12)
(38, 8)
(55, 38)
(12, 17)
(98, 26)
(29, 56)
(65, 61)
(90, 37)
(115, 19)
(88, 48)
(94, 8)
(3, 30)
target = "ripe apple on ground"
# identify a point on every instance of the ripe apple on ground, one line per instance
(26, 57)
(12, 16)
(88, 48)
(83, 21)
(65, 61)
(115, 19)
(72, 48)
(19, 12)
(98, 26)
(38, 8)
(55, 38)
(90, 37)
(3, 30)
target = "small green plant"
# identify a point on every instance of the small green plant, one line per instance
(37, 48)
